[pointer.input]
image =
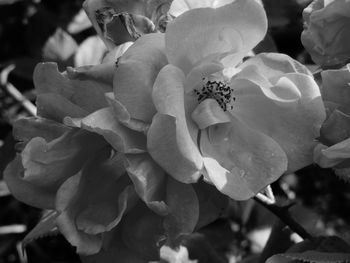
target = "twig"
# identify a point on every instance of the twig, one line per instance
(269, 193)
(15, 93)
(283, 214)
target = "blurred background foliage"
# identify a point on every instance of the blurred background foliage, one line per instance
(32, 31)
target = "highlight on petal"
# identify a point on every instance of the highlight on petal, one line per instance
(170, 129)
(196, 75)
(293, 125)
(181, 6)
(149, 181)
(183, 161)
(233, 29)
(209, 113)
(241, 161)
(104, 122)
(273, 65)
(101, 72)
(135, 74)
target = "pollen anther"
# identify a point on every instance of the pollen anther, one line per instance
(218, 90)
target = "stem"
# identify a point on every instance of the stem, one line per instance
(283, 214)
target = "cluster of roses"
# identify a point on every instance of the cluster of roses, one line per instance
(327, 39)
(148, 146)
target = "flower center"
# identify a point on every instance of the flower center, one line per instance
(218, 90)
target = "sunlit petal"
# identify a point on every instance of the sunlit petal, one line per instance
(170, 127)
(241, 161)
(136, 72)
(199, 33)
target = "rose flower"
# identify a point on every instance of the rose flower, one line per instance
(334, 149)
(239, 125)
(327, 32)
(134, 154)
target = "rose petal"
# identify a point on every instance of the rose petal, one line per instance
(241, 161)
(25, 191)
(209, 113)
(196, 75)
(199, 33)
(102, 73)
(335, 86)
(86, 244)
(330, 156)
(123, 116)
(272, 65)
(136, 72)
(122, 139)
(180, 6)
(148, 179)
(171, 130)
(294, 126)
(326, 29)
(56, 107)
(26, 129)
(101, 209)
(87, 94)
(336, 128)
(48, 164)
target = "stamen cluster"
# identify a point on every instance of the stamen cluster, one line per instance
(218, 90)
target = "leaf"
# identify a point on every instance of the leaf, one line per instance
(45, 227)
(317, 250)
(319, 257)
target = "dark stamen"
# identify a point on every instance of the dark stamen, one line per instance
(218, 90)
